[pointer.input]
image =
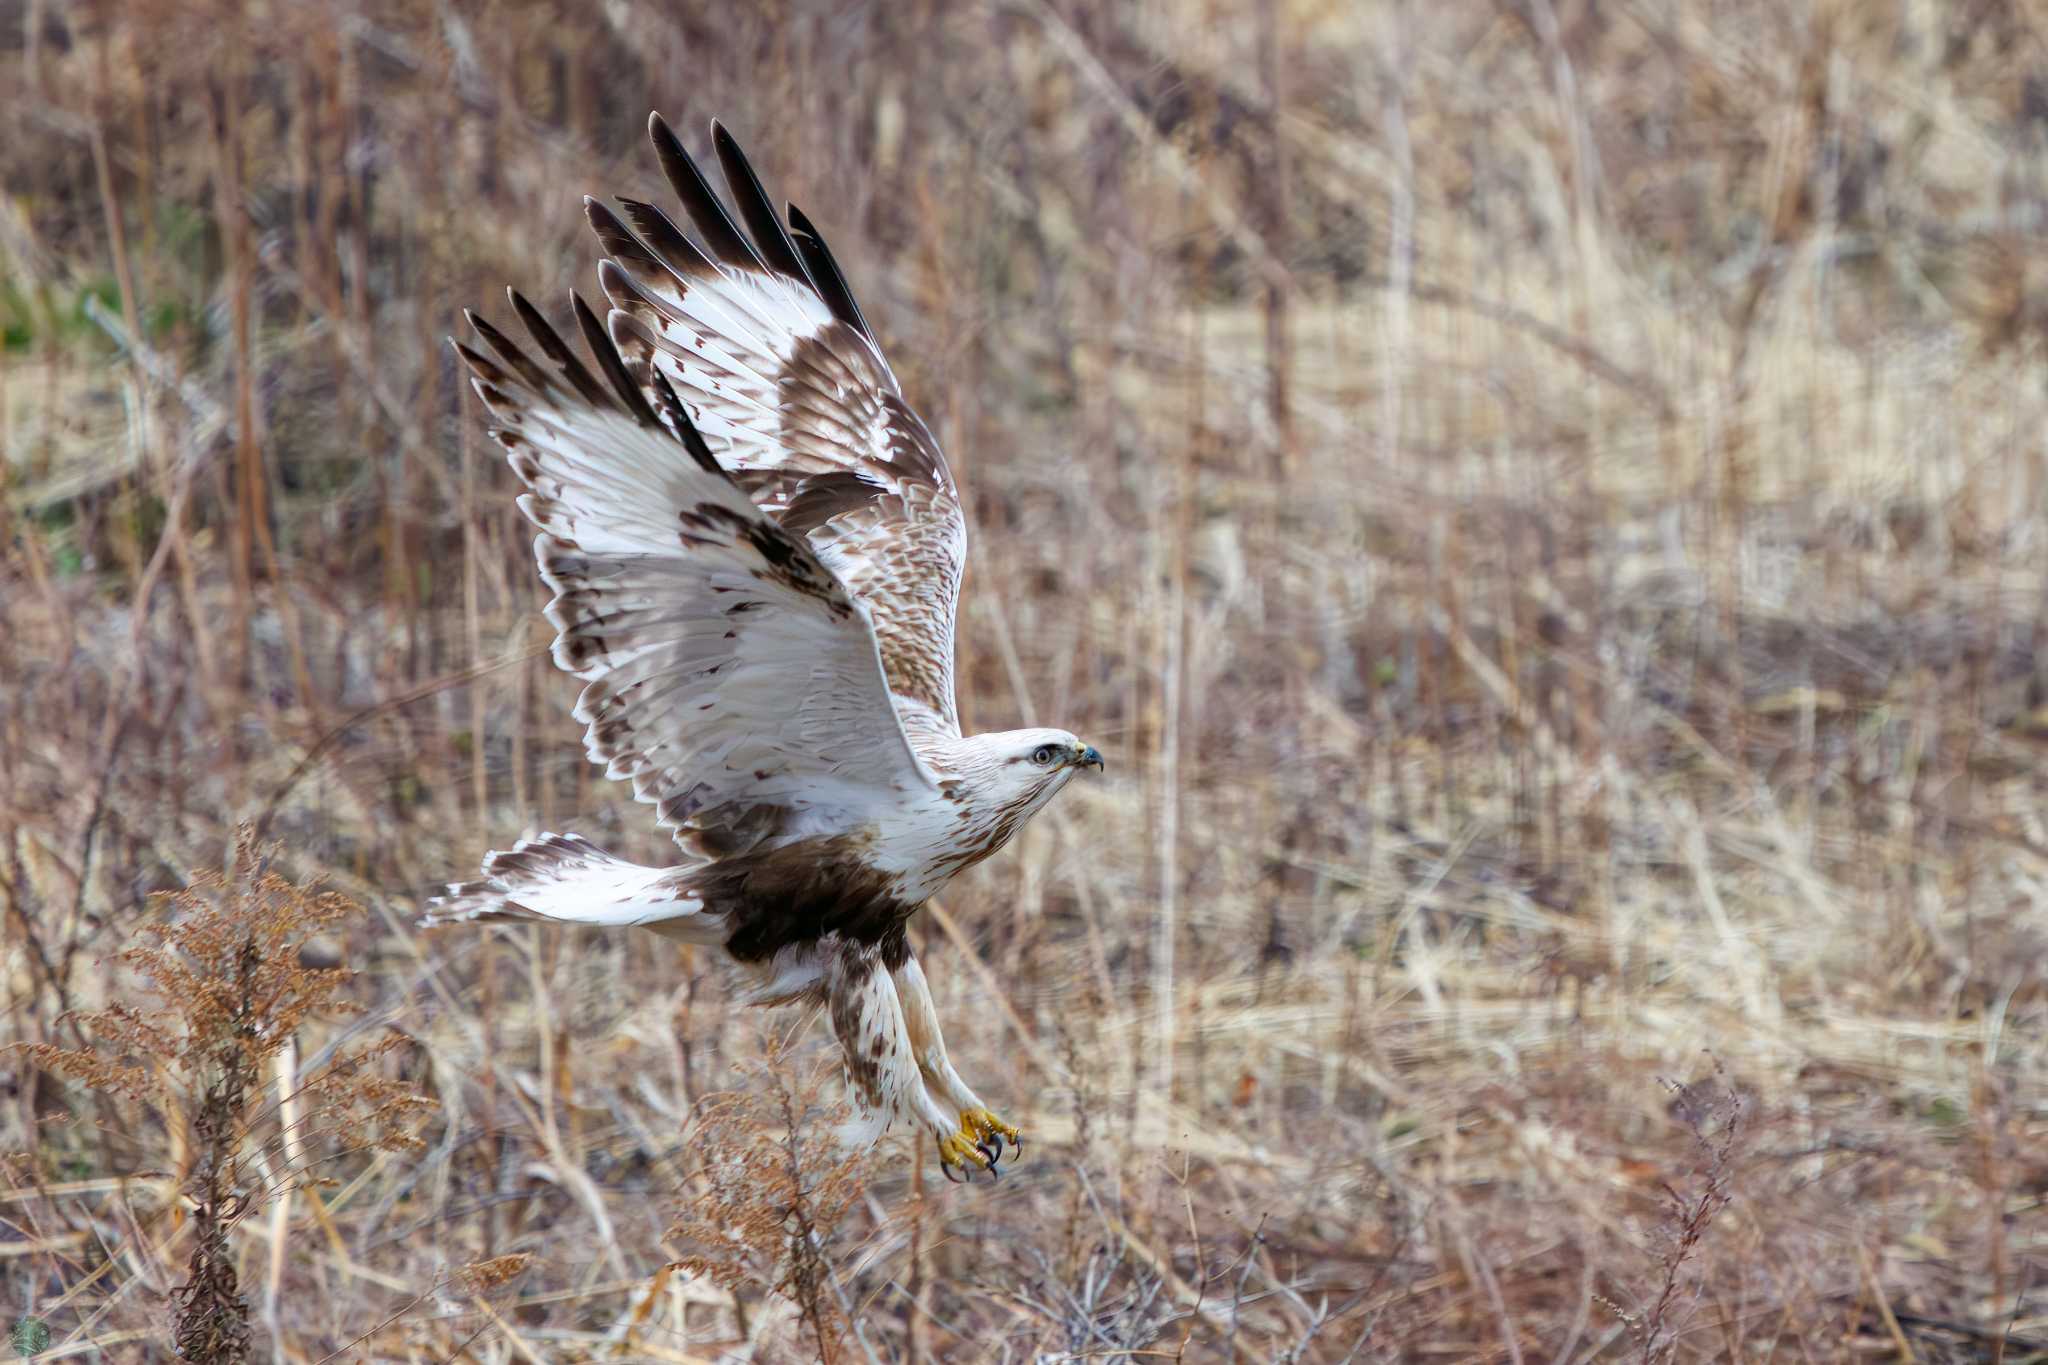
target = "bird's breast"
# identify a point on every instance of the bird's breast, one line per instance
(932, 842)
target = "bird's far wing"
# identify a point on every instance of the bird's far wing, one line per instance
(728, 674)
(760, 338)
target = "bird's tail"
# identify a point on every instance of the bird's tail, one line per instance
(568, 879)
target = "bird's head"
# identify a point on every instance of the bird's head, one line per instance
(1024, 768)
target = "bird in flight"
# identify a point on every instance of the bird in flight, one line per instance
(755, 548)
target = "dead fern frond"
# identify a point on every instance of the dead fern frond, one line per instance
(226, 992)
(771, 1184)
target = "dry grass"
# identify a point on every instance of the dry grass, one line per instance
(1541, 504)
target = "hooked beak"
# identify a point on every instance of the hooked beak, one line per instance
(1088, 758)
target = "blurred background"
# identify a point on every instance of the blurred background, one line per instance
(1540, 504)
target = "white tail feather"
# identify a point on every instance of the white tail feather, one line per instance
(568, 879)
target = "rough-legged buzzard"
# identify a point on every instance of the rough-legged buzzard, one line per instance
(755, 548)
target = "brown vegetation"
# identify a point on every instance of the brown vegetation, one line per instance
(222, 965)
(1541, 504)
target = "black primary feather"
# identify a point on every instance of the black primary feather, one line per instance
(726, 242)
(683, 257)
(825, 273)
(679, 419)
(484, 369)
(619, 243)
(608, 360)
(508, 351)
(557, 350)
(630, 299)
(755, 208)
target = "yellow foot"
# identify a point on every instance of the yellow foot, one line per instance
(986, 1127)
(957, 1152)
(978, 1145)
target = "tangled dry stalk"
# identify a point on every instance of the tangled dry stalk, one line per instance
(222, 965)
(1541, 503)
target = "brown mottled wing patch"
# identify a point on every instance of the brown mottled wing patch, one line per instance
(761, 340)
(730, 675)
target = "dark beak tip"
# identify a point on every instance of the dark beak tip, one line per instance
(1091, 759)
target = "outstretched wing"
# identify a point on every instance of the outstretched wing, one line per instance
(729, 675)
(766, 348)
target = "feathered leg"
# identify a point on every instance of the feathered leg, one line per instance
(881, 1062)
(928, 1046)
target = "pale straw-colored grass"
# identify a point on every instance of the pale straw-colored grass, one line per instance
(1619, 659)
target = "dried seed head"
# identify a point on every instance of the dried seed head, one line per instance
(481, 1277)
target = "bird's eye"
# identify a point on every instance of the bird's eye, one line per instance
(1044, 754)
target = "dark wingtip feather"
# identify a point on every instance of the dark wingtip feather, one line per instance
(608, 360)
(479, 365)
(619, 242)
(825, 273)
(489, 377)
(721, 235)
(508, 352)
(683, 258)
(755, 207)
(492, 337)
(611, 233)
(625, 294)
(679, 420)
(557, 350)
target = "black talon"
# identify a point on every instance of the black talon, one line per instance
(992, 1150)
(961, 1179)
